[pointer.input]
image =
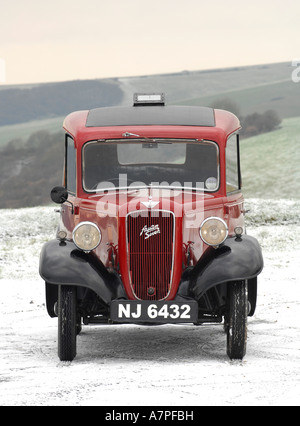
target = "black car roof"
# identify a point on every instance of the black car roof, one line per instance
(151, 115)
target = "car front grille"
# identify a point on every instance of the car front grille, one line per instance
(150, 253)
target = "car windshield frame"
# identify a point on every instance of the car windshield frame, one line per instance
(144, 140)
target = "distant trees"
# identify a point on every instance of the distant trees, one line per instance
(255, 124)
(252, 124)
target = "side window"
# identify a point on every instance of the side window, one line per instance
(70, 165)
(232, 164)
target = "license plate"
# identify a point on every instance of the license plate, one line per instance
(158, 312)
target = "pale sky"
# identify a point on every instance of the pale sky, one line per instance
(62, 40)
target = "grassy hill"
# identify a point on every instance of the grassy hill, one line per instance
(254, 88)
(271, 163)
(282, 97)
(22, 131)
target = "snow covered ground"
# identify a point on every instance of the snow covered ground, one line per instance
(169, 365)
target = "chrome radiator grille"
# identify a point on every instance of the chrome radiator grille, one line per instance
(150, 253)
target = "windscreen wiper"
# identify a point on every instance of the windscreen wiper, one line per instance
(151, 140)
(129, 135)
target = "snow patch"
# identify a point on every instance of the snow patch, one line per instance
(133, 365)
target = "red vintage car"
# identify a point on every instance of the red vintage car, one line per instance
(152, 223)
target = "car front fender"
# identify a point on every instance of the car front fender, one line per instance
(237, 259)
(61, 263)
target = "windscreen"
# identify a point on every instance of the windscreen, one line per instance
(162, 163)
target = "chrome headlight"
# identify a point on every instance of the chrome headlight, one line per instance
(86, 236)
(213, 231)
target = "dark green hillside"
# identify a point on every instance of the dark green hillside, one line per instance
(19, 105)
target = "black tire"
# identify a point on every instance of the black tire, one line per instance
(67, 327)
(236, 319)
(78, 324)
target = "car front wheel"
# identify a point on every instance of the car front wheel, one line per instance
(67, 327)
(236, 319)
